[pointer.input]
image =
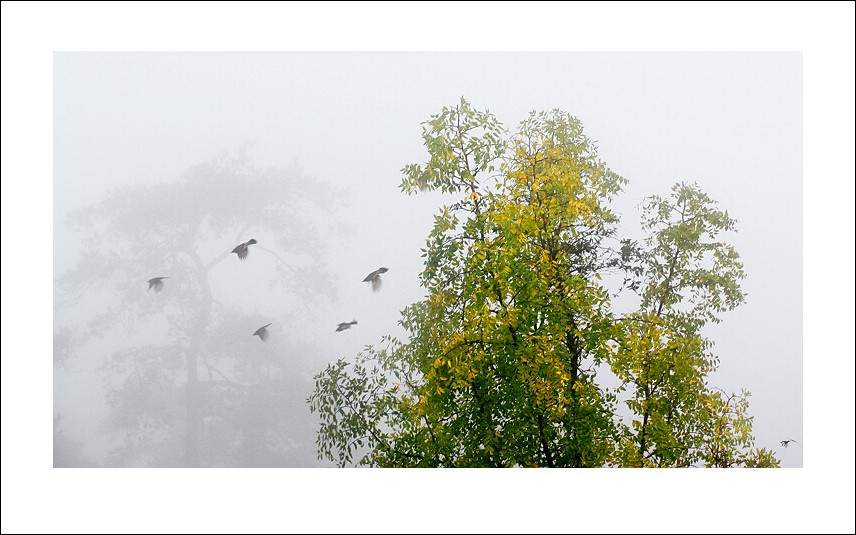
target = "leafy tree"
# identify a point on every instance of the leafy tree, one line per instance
(729, 434)
(507, 355)
(688, 279)
(192, 387)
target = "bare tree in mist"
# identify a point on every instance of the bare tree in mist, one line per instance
(190, 385)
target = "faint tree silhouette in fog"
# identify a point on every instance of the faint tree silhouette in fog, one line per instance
(192, 386)
(67, 453)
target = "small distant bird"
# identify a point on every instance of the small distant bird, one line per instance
(156, 283)
(788, 441)
(374, 278)
(244, 248)
(346, 325)
(262, 332)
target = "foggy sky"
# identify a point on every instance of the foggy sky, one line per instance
(730, 122)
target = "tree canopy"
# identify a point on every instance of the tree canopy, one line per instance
(511, 354)
(199, 389)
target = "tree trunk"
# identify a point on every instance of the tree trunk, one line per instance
(194, 417)
(191, 434)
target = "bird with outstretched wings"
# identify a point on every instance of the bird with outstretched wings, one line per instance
(345, 325)
(243, 249)
(156, 283)
(262, 332)
(374, 278)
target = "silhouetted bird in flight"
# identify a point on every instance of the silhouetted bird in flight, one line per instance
(346, 325)
(243, 249)
(788, 441)
(156, 283)
(374, 278)
(262, 332)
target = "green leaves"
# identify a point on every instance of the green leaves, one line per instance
(501, 363)
(462, 143)
(690, 277)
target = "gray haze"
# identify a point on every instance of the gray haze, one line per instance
(732, 122)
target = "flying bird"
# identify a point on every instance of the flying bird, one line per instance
(346, 325)
(374, 278)
(156, 283)
(262, 332)
(788, 441)
(244, 248)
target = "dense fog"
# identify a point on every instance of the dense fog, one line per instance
(166, 163)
